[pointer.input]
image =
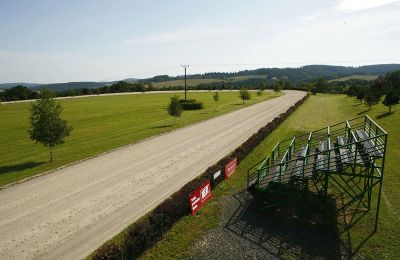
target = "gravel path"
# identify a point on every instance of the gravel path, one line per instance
(247, 233)
(69, 213)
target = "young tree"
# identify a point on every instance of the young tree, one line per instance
(244, 94)
(216, 99)
(174, 107)
(47, 126)
(259, 92)
(360, 93)
(391, 99)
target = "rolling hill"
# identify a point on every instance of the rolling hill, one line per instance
(269, 75)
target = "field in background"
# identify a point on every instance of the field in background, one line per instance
(364, 77)
(195, 82)
(99, 124)
(317, 112)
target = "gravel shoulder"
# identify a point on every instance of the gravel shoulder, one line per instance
(69, 213)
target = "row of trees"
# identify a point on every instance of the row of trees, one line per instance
(385, 90)
(23, 93)
(18, 93)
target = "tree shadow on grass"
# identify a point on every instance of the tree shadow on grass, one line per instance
(363, 112)
(386, 114)
(19, 167)
(161, 126)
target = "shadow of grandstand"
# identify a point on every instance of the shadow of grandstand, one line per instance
(305, 228)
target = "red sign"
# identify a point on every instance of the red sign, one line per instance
(199, 197)
(230, 168)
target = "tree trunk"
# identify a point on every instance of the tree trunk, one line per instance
(51, 153)
(174, 120)
(390, 108)
(243, 101)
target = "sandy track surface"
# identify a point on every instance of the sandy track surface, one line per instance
(129, 93)
(69, 213)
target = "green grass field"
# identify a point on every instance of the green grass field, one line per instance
(317, 112)
(99, 124)
(195, 82)
(364, 77)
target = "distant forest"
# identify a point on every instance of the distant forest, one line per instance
(312, 78)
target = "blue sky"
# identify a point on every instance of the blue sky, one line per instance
(59, 41)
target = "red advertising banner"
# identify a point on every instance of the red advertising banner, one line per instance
(199, 197)
(230, 168)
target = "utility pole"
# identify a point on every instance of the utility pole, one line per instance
(185, 67)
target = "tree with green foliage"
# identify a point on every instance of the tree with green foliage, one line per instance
(321, 85)
(46, 125)
(391, 99)
(360, 93)
(372, 97)
(314, 90)
(244, 94)
(278, 86)
(216, 99)
(174, 107)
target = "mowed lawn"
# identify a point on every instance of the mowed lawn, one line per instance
(318, 111)
(99, 125)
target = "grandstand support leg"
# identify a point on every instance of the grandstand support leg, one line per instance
(378, 205)
(369, 187)
(380, 184)
(326, 182)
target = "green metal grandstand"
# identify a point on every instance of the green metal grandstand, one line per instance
(348, 157)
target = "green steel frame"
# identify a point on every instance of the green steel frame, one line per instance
(348, 157)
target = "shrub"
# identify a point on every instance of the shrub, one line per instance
(191, 104)
(107, 251)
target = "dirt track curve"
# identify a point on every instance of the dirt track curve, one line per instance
(69, 213)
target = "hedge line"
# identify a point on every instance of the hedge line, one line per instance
(148, 230)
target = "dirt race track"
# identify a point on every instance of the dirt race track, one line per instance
(69, 213)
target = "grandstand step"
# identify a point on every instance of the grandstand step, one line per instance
(341, 140)
(302, 152)
(297, 170)
(369, 145)
(321, 164)
(345, 156)
(322, 146)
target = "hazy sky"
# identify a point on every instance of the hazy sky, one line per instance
(76, 40)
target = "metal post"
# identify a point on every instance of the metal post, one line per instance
(185, 67)
(380, 185)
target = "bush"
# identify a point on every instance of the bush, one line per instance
(107, 251)
(191, 104)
